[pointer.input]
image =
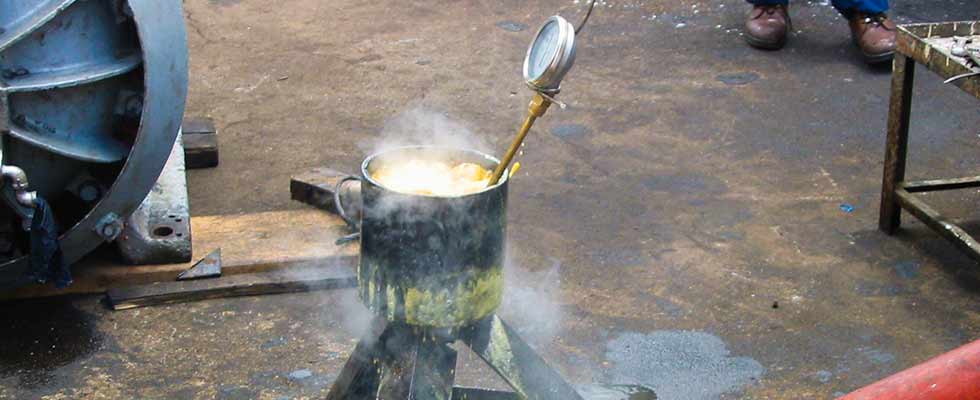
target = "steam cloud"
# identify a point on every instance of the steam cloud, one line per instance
(419, 126)
(532, 300)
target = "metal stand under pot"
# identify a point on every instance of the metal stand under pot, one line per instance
(431, 268)
(400, 361)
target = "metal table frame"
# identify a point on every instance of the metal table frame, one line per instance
(896, 192)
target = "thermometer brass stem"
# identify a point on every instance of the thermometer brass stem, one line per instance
(539, 105)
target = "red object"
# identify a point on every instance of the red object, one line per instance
(954, 375)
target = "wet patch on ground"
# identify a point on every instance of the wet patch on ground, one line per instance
(42, 337)
(738, 78)
(683, 365)
(868, 288)
(511, 26)
(907, 269)
(616, 392)
(570, 131)
(224, 2)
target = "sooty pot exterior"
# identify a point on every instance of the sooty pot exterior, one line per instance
(431, 261)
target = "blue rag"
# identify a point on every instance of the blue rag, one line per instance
(47, 260)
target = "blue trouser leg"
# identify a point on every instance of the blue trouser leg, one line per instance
(844, 6)
(865, 6)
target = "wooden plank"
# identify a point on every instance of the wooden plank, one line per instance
(316, 186)
(249, 243)
(934, 185)
(233, 286)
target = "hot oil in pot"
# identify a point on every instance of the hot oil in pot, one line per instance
(432, 178)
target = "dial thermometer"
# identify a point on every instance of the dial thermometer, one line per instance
(548, 59)
(550, 56)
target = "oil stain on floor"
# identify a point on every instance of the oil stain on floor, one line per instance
(681, 365)
(43, 336)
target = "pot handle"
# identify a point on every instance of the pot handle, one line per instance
(352, 224)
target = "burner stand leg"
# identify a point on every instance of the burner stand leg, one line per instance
(400, 362)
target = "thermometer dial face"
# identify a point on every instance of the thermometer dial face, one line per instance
(544, 50)
(551, 55)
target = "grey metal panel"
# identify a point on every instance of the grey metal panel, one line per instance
(75, 77)
(22, 17)
(160, 24)
(84, 43)
(74, 122)
(162, 88)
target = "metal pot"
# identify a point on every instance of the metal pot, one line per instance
(427, 260)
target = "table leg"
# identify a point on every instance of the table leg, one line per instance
(896, 147)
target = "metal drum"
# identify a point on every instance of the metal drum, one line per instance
(92, 96)
(431, 261)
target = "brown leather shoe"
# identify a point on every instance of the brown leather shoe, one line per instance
(767, 27)
(874, 35)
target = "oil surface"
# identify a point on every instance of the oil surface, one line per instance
(433, 178)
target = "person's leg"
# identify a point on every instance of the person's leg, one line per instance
(871, 29)
(767, 24)
(869, 7)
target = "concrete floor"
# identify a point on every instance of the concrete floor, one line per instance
(680, 225)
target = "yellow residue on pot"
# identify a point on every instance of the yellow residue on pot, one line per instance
(432, 178)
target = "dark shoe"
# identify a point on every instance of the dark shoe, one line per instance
(874, 35)
(767, 27)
